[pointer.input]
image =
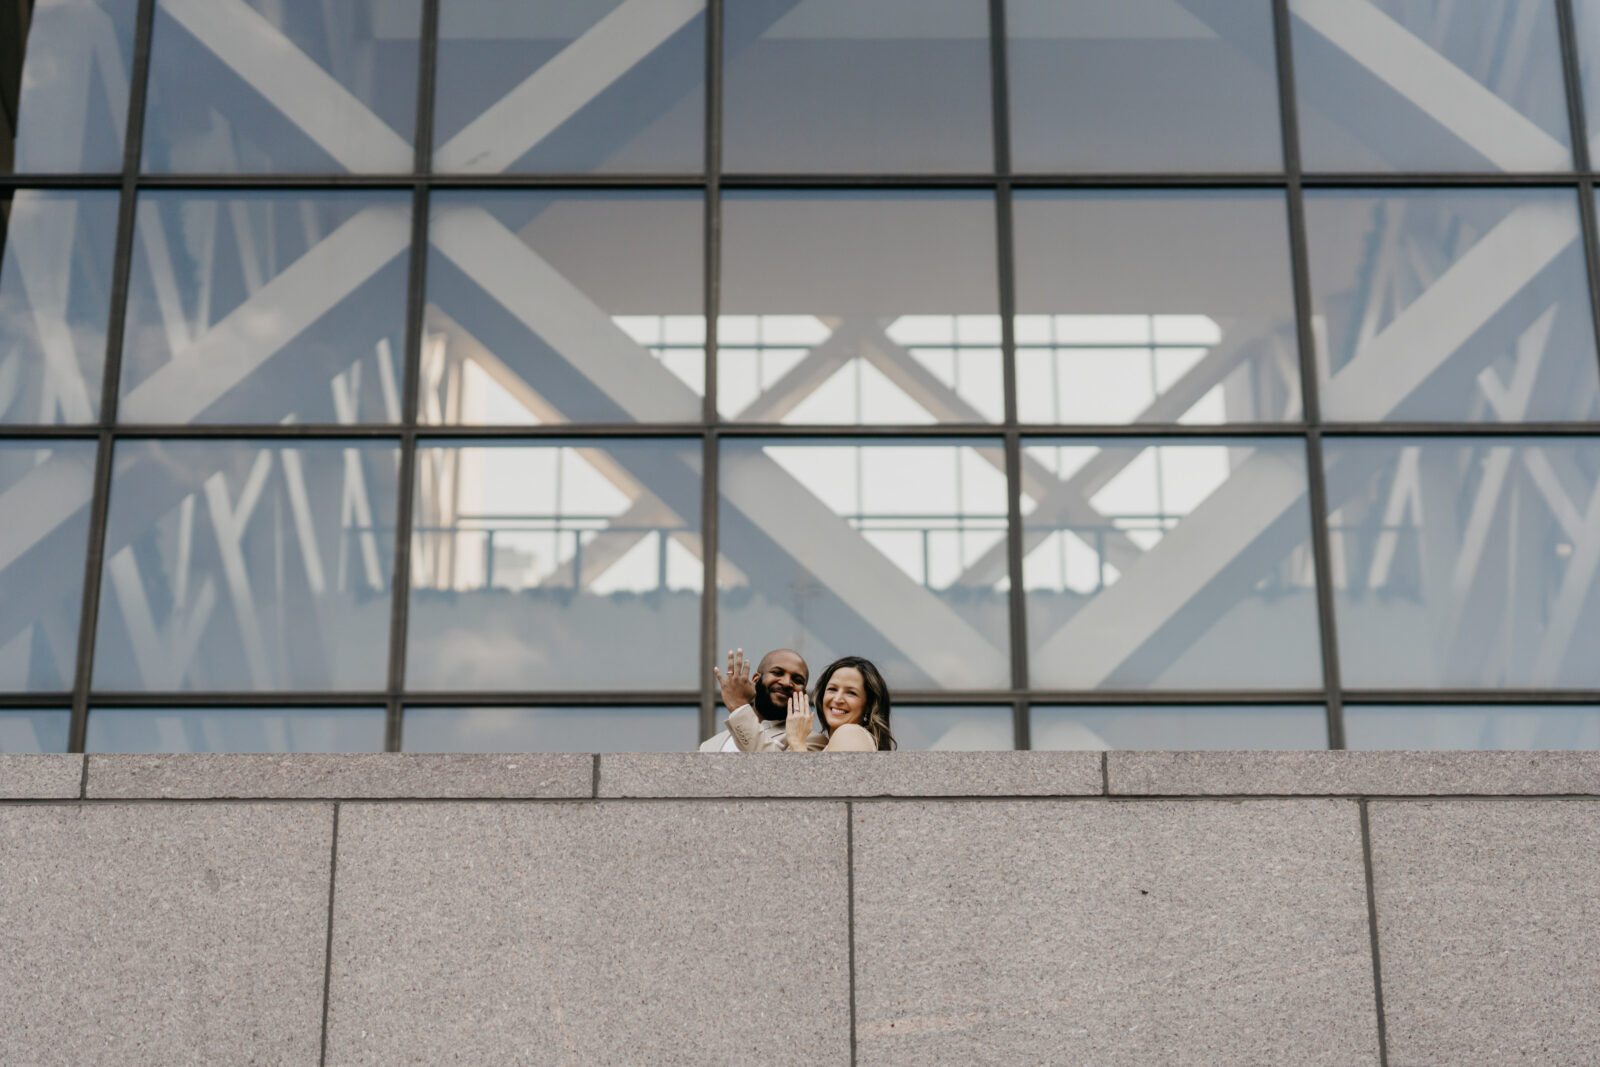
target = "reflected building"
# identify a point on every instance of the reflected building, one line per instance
(450, 375)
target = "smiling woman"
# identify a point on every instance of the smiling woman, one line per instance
(853, 700)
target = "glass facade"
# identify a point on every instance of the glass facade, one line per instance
(449, 375)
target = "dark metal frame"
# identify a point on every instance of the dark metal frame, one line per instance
(710, 429)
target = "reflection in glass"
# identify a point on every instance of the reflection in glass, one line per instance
(1586, 14)
(1471, 726)
(266, 307)
(1120, 86)
(859, 307)
(593, 86)
(564, 307)
(945, 729)
(1429, 85)
(68, 114)
(34, 731)
(45, 488)
(833, 548)
(1239, 728)
(1154, 307)
(55, 294)
(236, 730)
(856, 86)
(556, 567)
(247, 565)
(282, 86)
(1461, 305)
(1466, 563)
(1176, 565)
(588, 729)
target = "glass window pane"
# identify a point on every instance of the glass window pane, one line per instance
(266, 307)
(556, 567)
(1429, 85)
(236, 730)
(835, 547)
(34, 731)
(1168, 565)
(551, 729)
(1121, 86)
(948, 729)
(55, 294)
(564, 307)
(1241, 728)
(859, 307)
(856, 86)
(1527, 726)
(1466, 564)
(247, 565)
(68, 113)
(1154, 307)
(1587, 17)
(577, 87)
(45, 489)
(1461, 305)
(282, 86)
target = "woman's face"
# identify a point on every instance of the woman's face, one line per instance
(845, 698)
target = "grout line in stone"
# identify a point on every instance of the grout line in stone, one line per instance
(327, 954)
(850, 913)
(83, 779)
(1372, 933)
(789, 799)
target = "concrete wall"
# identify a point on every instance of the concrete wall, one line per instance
(1135, 908)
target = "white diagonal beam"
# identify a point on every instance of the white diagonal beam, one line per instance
(561, 87)
(308, 96)
(1447, 94)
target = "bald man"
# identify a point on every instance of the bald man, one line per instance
(781, 673)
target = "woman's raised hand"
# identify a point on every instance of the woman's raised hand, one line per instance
(797, 727)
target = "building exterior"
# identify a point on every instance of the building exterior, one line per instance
(404, 404)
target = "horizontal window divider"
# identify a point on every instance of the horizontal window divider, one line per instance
(977, 180)
(1488, 697)
(59, 181)
(1360, 180)
(36, 701)
(935, 697)
(428, 434)
(1459, 429)
(681, 430)
(683, 698)
(375, 699)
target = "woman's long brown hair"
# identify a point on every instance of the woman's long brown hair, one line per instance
(875, 716)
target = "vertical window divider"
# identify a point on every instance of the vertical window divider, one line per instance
(1300, 270)
(416, 306)
(1572, 68)
(1004, 258)
(99, 502)
(709, 490)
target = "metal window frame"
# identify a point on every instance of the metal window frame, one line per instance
(711, 429)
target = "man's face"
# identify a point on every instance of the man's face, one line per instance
(778, 675)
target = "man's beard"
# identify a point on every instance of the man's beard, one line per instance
(766, 707)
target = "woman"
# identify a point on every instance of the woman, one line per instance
(853, 700)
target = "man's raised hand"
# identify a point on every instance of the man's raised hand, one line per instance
(738, 688)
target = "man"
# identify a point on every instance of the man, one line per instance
(780, 674)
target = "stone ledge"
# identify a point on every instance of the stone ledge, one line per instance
(850, 774)
(305, 777)
(1353, 773)
(51, 776)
